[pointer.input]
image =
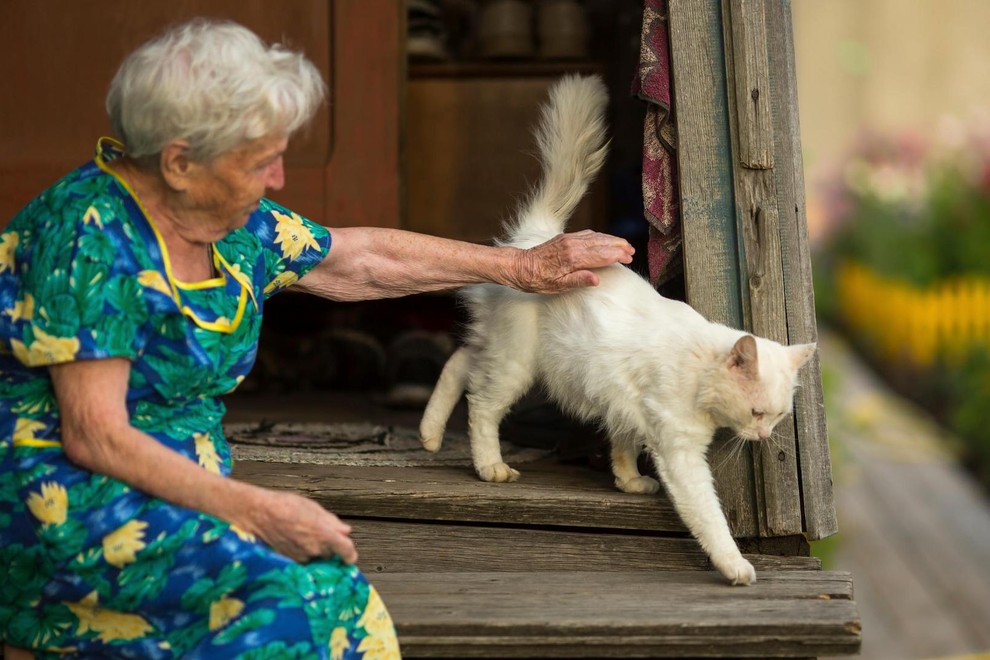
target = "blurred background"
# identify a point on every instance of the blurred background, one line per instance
(895, 124)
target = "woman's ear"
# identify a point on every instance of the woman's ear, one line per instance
(176, 165)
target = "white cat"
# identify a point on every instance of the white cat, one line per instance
(652, 370)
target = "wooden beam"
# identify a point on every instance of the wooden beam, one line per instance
(778, 490)
(711, 249)
(747, 260)
(810, 424)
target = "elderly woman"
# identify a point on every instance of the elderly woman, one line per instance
(131, 294)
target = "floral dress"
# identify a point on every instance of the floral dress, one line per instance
(88, 566)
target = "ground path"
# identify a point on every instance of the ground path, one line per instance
(914, 529)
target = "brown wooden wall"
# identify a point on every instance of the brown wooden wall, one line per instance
(57, 59)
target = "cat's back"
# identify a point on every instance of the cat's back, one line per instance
(625, 299)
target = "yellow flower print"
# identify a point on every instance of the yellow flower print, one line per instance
(282, 280)
(207, 453)
(293, 235)
(51, 504)
(8, 246)
(380, 648)
(45, 349)
(339, 643)
(224, 611)
(22, 309)
(93, 215)
(25, 429)
(121, 545)
(154, 280)
(110, 625)
(381, 642)
(243, 535)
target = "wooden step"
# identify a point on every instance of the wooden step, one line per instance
(620, 614)
(546, 494)
(562, 565)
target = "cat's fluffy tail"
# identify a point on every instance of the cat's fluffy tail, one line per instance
(572, 145)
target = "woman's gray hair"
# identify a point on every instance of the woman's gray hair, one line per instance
(214, 84)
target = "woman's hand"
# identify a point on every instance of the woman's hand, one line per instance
(566, 261)
(299, 528)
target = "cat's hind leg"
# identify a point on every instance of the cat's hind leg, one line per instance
(495, 386)
(625, 467)
(446, 393)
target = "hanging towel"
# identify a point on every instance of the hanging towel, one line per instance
(653, 85)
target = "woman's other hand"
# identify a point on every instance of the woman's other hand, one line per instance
(299, 528)
(566, 261)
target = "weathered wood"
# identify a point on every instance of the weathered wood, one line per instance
(403, 547)
(748, 266)
(545, 495)
(809, 409)
(660, 614)
(959, 577)
(750, 73)
(778, 492)
(711, 250)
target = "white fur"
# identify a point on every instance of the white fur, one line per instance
(652, 370)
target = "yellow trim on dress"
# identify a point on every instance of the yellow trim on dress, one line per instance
(35, 442)
(174, 283)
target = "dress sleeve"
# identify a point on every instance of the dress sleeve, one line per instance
(291, 245)
(65, 288)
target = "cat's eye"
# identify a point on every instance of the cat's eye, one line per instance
(758, 414)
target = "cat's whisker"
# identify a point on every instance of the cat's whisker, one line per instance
(778, 443)
(735, 446)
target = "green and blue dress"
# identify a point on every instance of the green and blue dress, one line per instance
(90, 567)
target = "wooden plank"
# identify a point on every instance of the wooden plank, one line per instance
(751, 74)
(369, 64)
(680, 587)
(956, 579)
(661, 614)
(809, 415)
(711, 259)
(893, 594)
(409, 547)
(546, 495)
(777, 487)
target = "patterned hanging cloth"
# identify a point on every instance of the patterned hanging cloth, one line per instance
(653, 85)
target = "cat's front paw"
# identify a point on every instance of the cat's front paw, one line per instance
(498, 472)
(736, 570)
(431, 443)
(645, 485)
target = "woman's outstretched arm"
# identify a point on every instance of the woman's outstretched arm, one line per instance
(367, 263)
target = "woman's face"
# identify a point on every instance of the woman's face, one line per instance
(227, 189)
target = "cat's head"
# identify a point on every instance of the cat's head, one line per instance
(752, 387)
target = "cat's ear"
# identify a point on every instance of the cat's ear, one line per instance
(800, 354)
(743, 358)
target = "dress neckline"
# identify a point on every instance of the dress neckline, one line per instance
(107, 150)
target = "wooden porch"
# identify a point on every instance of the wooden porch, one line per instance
(557, 565)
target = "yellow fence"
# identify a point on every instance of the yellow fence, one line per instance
(920, 325)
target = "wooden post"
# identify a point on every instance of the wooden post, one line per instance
(747, 260)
